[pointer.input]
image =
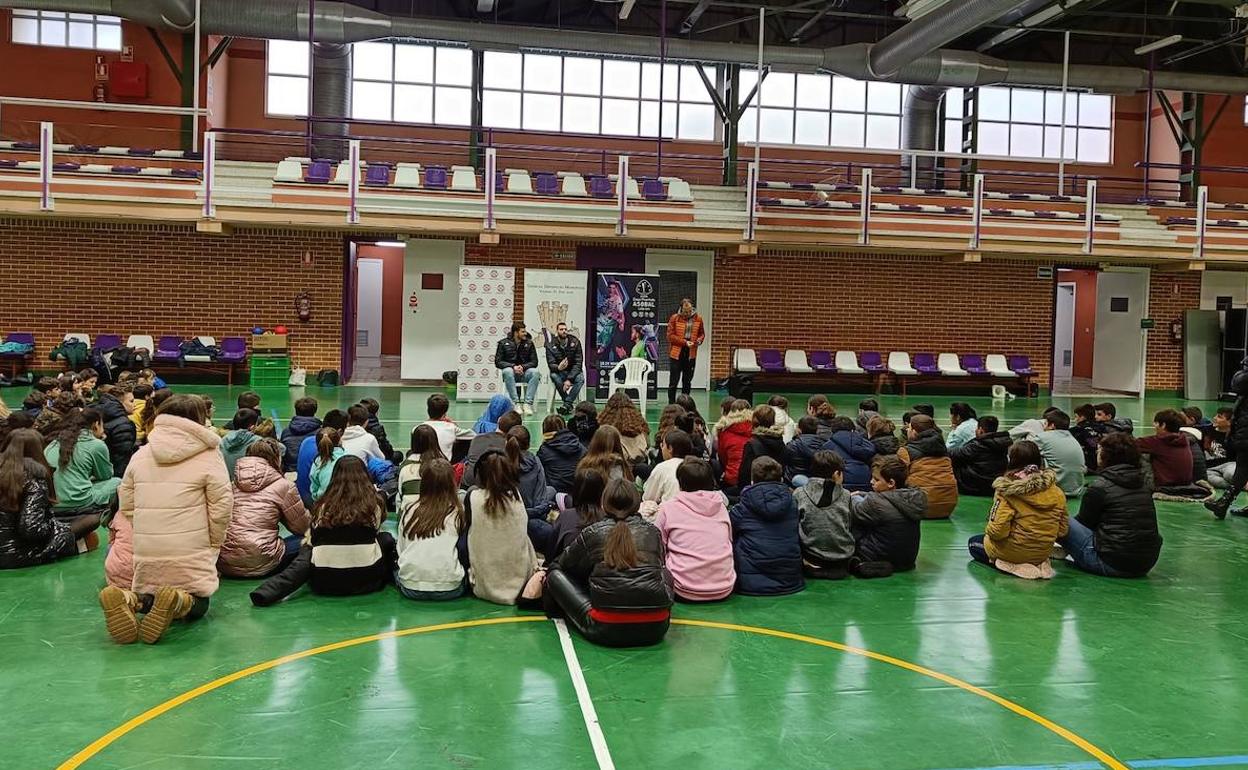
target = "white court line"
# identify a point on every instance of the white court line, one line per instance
(596, 737)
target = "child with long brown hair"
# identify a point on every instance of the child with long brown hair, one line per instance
(81, 467)
(611, 583)
(577, 510)
(501, 557)
(432, 530)
(426, 447)
(29, 533)
(606, 455)
(622, 414)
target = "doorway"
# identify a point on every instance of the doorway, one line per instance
(1064, 334)
(1098, 345)
(373, 314)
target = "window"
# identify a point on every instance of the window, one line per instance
(410, 83)
(1027, 123)
(588, 95)
(286, 78)
(822, 111)
(67, 30)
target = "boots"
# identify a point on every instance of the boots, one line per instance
(169, 605)
(119, 607)
(1220, 506)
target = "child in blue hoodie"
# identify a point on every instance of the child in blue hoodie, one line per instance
(855, 450)
(766, 547)
(305, 423)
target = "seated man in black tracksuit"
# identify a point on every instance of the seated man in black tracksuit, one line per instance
(565, 358)
(516, 358)
(978, 462)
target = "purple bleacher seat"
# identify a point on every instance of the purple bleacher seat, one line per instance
(65, 167)
(107, 341)
(890, 188)
(1020, 365)
(21, 338)
(169, 348)
(909, 207)
(925, 363)
(652, 190)
(546, 183)
(767, 201)
(600, 187)
(1060, 198)
(771, 361)
(318, 172)
(1180, 221)
(1228, 222)
(142, 152)
(974, 364)
(802, 186)
(26, 145)
(8, 163)
(378, 175)
(871, 361)
(126, 169)
(233, 350)
(1001, 212)
(84, 148)
(957, 210)
(435, 177)
(1045, 214)
(821, 361)
(184, 173)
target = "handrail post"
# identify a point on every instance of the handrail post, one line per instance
(864, 206)
(46, 202)
(751, 201)
(1089, 216)
(1202, 207)
(621, 195)
(491, 166)
(210, 173)
(353, 182)
(977, 211)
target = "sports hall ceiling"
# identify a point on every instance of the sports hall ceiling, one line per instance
(1103, 31)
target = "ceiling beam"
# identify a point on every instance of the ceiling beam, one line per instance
(695, 13)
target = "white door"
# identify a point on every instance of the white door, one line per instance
(1121, 303)
(430, 308)
(368, 274)
(1064, 333)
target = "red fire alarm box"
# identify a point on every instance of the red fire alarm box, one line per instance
(127, 79)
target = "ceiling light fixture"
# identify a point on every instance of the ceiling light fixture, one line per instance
(1157, 45)
(391, 244)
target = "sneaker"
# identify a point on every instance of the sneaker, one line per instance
(873, 569)
(169, 605)
(89, 542)
(119, 607)
(564, 410)
(1058, 553)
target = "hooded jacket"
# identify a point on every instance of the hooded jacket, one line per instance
(886, 444)
(498, 406)
(824, 512)
(786, 424)
(263, 498)
(559, 455)
(1028, 515)
(234, 446)
(176, 497)
(978, 463)
(766, 548)
(1064, 456)
(1171, 458)
(799, 453)
(698, 537)
(30, 535)
(857, 453)
(356, 440)
(119, 432)
(88, 480)
(584, 426)
(931, 471)
(886, 526)
(1118, 507)
(661, 484)
(296, 431)
(764, 442)
(732, 432)
(538, 497)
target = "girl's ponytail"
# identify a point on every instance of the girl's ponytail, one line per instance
(619, 501)
(326, 442)
(517, 443)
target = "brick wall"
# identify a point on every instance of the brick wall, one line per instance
(1168, 296)
(109, 278)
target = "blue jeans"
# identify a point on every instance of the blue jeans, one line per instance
(1080, 543)
(578, 381)
(976, 546)
(431, 596)
(532, 378)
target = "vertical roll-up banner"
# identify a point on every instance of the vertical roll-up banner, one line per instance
(552, 297)
(486, 310)
(627, 325)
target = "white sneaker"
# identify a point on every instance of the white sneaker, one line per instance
(526, 410)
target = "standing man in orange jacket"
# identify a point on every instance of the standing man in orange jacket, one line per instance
(685, 334)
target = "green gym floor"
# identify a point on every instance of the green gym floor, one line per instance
(952, 666)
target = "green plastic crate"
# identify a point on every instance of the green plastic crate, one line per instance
(270, 371)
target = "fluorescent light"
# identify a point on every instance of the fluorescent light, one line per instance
(626, 8)
(1157, 45)
(392, 244)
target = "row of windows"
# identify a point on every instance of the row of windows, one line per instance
(67, 30)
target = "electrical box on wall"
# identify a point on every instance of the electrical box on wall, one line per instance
(127, 80)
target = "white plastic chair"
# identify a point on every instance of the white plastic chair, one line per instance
(746, 361)
(343, 173)
(636, 370)
(899, 363)
(289, 170)
(997, 366)
(574, 185)
(407, 175)
(847, 362)
(464, 178)
(678, 190)
(80, 337)
(207, 342)
(949, 365)
(795, 361)
(135, 341)
(519, 181)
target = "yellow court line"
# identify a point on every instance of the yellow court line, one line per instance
(113, 735)
(1100, 755)
(117, 732)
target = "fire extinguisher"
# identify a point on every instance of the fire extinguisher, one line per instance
(97, 93)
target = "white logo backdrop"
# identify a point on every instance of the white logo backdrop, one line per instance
(486, 309)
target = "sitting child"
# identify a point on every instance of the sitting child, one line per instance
(824, 511)
(766, 440)
(559, 453)
(855, 451)
(1169, 452)
(662, 485)
(883, 434)
(610, 583)
(1028, 515)
(29, 533)
(928, 466)
(234, 444)
(248, 399)
(1088, 432)
(978, 462)
(375, 427)
(766, 549)
(141, 394)
(356, 440)
(432, 538)
(799, 452)
(577, 510)
(500, 555)
(886, 521)
(584, 422)
(328, 452)
(305, 423)
(82, 473)
(697, 535)
(1219, 461)
(538, 496)
(780, 405)
(263, 499)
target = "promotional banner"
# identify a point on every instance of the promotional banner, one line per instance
(552, 297)
(626, 325)
(486, 299)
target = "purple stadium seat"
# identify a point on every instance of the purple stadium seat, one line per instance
(318, 172)
(107, 341)
(126, 169)
(21, 338)
(600, 187)
(435, 177)
(871, 361)
(233, 350)
(8, 163)
(169, 348)
(802, 185)
(500, 182)
(547, 183)
(84, 148)
(184, 173)
(65, 167)
(192, 155)
(1021, 365)
(28, 146)
(925, 363)
(974, 364)
(142, 152)
(821, 361)
(377, 175)
(771, 361)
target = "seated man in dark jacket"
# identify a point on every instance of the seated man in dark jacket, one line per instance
(978, 462)
(516, 358)
(566, 360)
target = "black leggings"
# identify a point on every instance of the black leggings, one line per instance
(1240, 477)
(680, 369)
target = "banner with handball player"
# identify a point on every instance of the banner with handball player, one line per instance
(626, 325)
